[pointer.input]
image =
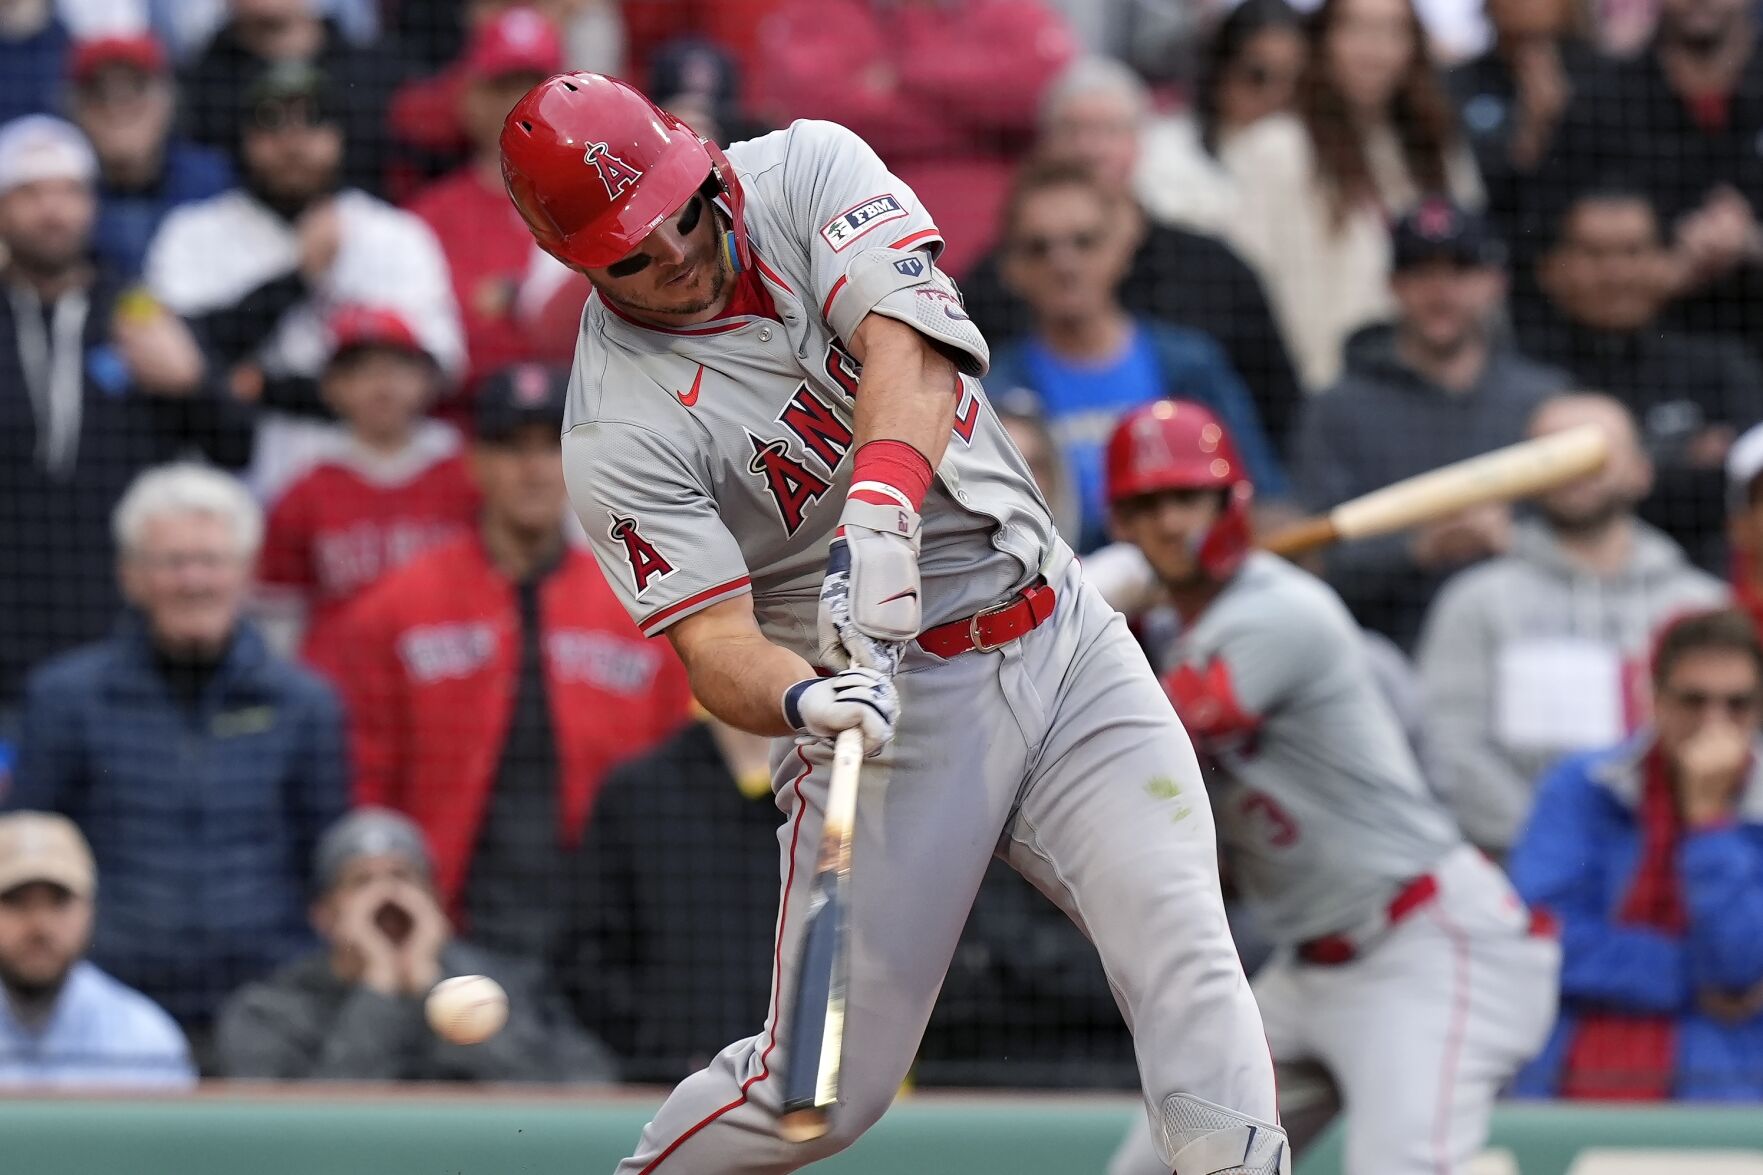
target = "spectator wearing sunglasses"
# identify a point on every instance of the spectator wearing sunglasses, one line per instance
(1066, 251)
(1097, 116)
(1373, 136)
(1649, 854)
(1249, 70)
(259, 267)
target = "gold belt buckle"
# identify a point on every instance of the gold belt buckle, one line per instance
(979, 645)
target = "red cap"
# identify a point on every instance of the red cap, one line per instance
(515, 40)
(593, 166)
(141, 50)
(372, 326)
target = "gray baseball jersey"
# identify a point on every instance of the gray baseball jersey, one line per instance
(1321, 803)
(708, 460)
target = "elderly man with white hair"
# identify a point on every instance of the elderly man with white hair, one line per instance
(201, 766)
(96, 383)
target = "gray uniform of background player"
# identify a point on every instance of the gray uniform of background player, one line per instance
(1325, 817)
(1058, 750)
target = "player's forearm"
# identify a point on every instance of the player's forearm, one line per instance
(742, 680)
(908, 391)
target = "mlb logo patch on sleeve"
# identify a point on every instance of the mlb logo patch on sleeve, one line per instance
(853, 222)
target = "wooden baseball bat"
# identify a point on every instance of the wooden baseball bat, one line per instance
(815, 1045)
(1504, 475)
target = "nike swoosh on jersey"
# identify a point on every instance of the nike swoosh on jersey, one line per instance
(690, 398)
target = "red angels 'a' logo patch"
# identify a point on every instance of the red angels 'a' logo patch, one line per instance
(614, 172)
(646, 562)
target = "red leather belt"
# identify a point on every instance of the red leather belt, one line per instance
(1331, 950)
(991, 628)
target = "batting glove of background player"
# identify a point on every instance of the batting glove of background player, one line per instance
(857, 698)
(869, 597)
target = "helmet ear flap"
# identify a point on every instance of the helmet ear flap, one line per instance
(1230, 536)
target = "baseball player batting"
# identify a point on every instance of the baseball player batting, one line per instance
(1407, 966)
(778, 444)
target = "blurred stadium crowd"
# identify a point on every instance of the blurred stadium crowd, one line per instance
(309, 698)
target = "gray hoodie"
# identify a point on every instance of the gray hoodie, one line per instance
(1533, 593)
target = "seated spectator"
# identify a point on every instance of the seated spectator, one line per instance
(500, 278)
(1088, 359)
(1373, 136)
(96, 384)
(1541, 652)
(34, 45)
(1433, 388)
(493, 681)
(124, 98)
(63, 1022)
(1511, 98)
(951, 122)
(396, 486)
(1681, 120)
(353, 1009)
(425, 113)
(698, 82)
(1094, 115)
(1249, 70)
(201, 766)
(1744, 521)
(1602, 277)
(261, 33)
(665, 952)
(1649, 854)
(257, 266)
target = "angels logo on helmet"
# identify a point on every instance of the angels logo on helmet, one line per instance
(614, 172)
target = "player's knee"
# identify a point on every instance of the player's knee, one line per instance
(849, 1121)
(1193, 1134)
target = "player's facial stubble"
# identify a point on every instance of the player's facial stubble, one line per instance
(687, 274)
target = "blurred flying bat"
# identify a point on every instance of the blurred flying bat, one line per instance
(815, 1046)
(1504, 475)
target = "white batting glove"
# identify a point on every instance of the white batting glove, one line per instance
(858, 698)
(869, 599)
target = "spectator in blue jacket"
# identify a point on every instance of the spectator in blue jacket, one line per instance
(1066, 251)
(1651, 856)
(201, 766)
(123, 96)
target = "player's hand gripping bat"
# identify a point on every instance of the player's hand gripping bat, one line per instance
(815, 1042)
(1504, 475)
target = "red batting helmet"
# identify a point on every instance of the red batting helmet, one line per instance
(1179, 445)
(594, 166)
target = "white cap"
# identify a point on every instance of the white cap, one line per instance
(42, 147)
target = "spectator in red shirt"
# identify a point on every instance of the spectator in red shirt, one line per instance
(500, 278)
(396, 484)
(493, 682)
(946, 91)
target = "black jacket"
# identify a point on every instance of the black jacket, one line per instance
(1189, 280)
(666, 948)
(57, 564)
(1677, 385)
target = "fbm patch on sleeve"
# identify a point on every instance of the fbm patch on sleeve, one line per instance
(853, 222)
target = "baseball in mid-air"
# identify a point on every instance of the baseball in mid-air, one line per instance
(467, 1009)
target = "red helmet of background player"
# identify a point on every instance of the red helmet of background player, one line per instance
(593, 166)
(1179, 445)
